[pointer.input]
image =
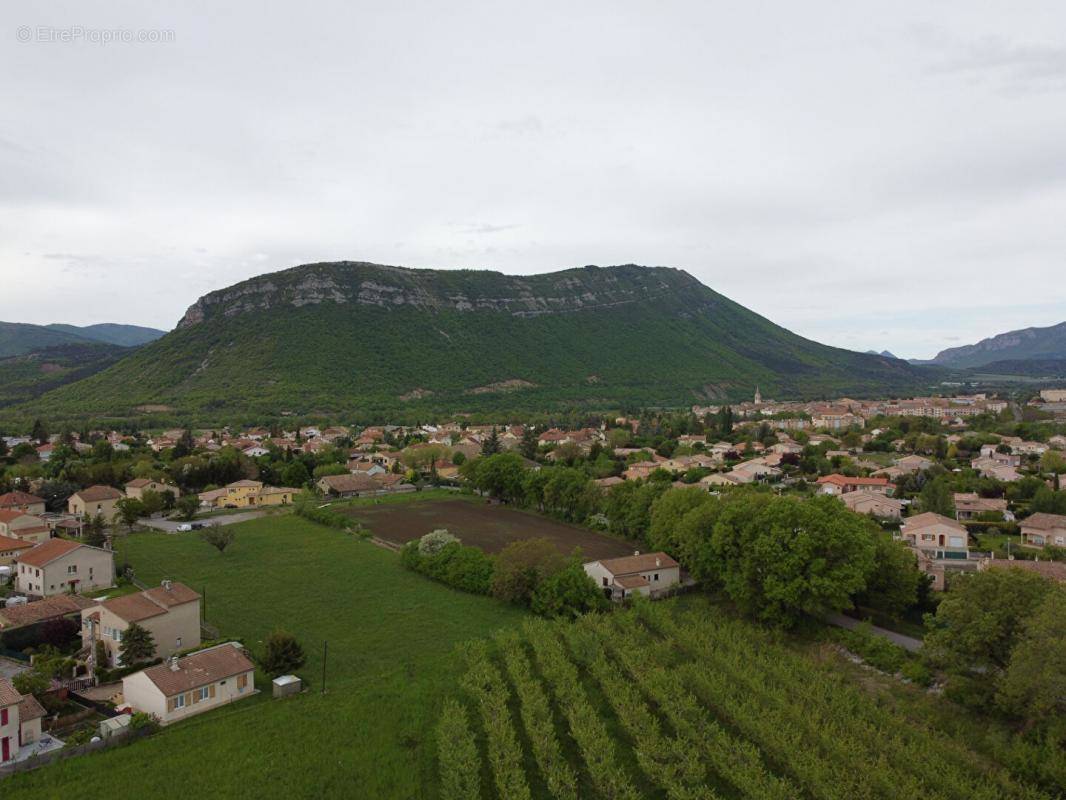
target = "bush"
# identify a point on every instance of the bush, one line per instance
(283, 654)
(917, 672)
(469, 569)
(142, 721)
(568, 594)
(435, 541)
(875, 650)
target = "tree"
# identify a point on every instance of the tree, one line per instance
(137, 645)
(435, 541)
(892, 585)
(666, 515)
(938, 497)
(568, 594)
(498, 475)
(1034, 685)
(39, 434)
(218, 536)
(780, 558)
(282, 654)
(979, 622)
(528, 446)
(152, 502)
(95, 531)
(295, 474)
(521, 566)
(491, 445)
(128, 510)
(187, 506)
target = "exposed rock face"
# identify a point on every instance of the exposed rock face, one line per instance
(438, 290)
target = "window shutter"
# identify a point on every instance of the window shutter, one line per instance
(189, 699)
(170, 704)
(211, 689)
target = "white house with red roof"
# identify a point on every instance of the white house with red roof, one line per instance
(648, 574)
(20, 722)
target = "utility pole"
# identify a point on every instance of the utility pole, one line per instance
(325, 650)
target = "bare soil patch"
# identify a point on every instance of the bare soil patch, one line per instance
(488, 526)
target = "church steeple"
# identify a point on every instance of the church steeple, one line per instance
(758, 396)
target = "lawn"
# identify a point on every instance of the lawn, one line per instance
(390, 633)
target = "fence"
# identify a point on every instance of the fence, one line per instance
(117, 739)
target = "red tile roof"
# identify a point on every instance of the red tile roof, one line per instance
(199, 669)
(48, 551)
(59, 605)
(7, 543)
(8, 695)
(843, 480)
(97, 493)
(644, 562)
(18, 499)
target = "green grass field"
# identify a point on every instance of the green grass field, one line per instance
(391, 634)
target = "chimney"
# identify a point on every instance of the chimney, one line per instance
(167, 584)
(658, 561)
(173, 663)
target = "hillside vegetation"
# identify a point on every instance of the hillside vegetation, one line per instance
(339, 337)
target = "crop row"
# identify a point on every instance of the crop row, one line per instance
(587, 728)
(485, 684)
(535, 709)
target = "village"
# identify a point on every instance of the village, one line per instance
(965, 484)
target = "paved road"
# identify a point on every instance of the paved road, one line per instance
(171, 525)
(9, 667)
(908, 643)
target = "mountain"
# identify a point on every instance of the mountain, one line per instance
(884, 353)
(364, 338)
(29, 375)
(1052, 368)
(18, 338)
(1022, 345)
(111, 333)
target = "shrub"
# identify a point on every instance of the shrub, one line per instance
(435, 541)
(917, 672)
(142, 721)
(568, 594)
(469, 569)
(283, 654)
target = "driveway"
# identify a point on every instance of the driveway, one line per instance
(171, 525)
(9, 667)
(908, 643)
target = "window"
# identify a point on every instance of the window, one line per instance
(72, 569)
(655, 577)
(3, 716)
(203, 693)
(242, 682)
(605, 582)
(179, 701)
(177, 643)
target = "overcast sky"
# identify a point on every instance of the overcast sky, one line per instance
(868, 175)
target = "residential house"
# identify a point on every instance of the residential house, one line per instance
(1043, 530)
(970, 505)
(648, 574)
(10, 548)
(754, 470)
(248, 494)
(183, 687)
(96, 500)
(937, 536)
(138, 486)
(54, 607)
(28, 528)
(993, 468)
(170, 612)
(347, 485)
(837, 484)
(913, 463)
(20, 721)
(874, 504)
(641, 469)
(21, 501)
(60, 565)
(1052, 570)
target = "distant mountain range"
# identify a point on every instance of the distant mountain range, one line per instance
(353, 336)
(884, 353)
(1023, 345)
(18, 338)
(35, 359)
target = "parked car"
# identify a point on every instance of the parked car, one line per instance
(185, 526)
